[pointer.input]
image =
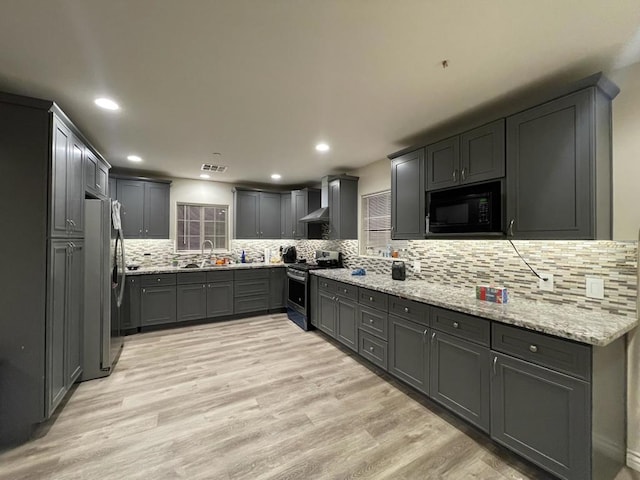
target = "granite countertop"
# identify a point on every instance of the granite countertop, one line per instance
(208, 268)
(592, 327)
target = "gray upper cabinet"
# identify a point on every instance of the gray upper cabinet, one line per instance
(145, 208)
(67, 190)
(286, 226)
(96, 174)
(443, 162)
(543, 415)
(474, 156)
(343, 208)
(552, 169)
(304, 202)
(407, 196)
(409, 352)
(257, 214)
(483, 153)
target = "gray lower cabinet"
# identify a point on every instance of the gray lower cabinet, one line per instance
(312, 312)
(347, 322)
(157, 305)
(277, 288)
(251, 291)
(327, 313)
(407, 196)
(220, 299)
(130, 310)
(191, 302)
(558, 168)
(542, 415)
(64, 320)
(409, 352)
(459, 377)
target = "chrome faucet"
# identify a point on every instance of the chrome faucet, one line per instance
(204, 260)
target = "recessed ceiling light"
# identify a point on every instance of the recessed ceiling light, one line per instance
(134, 158)
(107, 104)
(204, 175)
(322, 147)
(276, 176)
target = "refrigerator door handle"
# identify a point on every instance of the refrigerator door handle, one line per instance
(123, 278)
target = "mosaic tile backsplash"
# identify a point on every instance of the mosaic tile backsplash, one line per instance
(466, 263)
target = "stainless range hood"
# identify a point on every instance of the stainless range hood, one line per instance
(320, 215)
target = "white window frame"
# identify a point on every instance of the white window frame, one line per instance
(364, 237)
(202, 238)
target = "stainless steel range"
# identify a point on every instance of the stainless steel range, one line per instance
(298, 305)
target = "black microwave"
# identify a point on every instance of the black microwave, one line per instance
(465, 210)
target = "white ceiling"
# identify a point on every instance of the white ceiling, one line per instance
(262, 81)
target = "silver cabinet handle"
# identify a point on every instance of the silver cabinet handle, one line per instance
(455, 175)
(371, 299)
(456, 325)
(371, 349)
(344, 290)
(533, 348)
(146, 231)
(433, 337)
(157, 279)
(406, 309)
(140, 231)
(371, 320)
(144, 290)
(73, 224)
(510, 229)
(463, 173)
(495, 360)
(203, 286)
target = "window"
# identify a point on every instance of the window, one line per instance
(197, 223)
(376, 223)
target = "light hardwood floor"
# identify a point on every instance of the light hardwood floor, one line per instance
(253, 399)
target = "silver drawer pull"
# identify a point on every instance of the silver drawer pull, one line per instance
(456, 325)
(406, 309)
(158, 279)
(371, 320)
(371, 299)
(371, 349)
(533, 348)
(344, 290)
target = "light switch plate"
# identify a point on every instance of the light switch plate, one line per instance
(595, 287)
(547, 285)
(416, 266)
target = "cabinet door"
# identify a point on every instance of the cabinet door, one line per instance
(102, 176)
(277, 287)
(299, 210)
(459, 377)
(286, 227)
(334, 211)
(443, 164)
(409, 352)
(191, 302)
(56, 320)
(158, 305)
(327, 313)
(483, 153)
(270, 215)
(90, 172)
(219, 299)
(156, 210)
(407, 196)
(75, 309)
(60, 152)
(542, 415)
(75, 188)
(347, 323)
(247, 214)
(549, 169)
(130, 310)
(131, 196)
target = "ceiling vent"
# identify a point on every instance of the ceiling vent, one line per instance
(206, 167)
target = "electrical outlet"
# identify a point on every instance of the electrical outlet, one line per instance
(416, 266)
(594, 287)
(546, 285)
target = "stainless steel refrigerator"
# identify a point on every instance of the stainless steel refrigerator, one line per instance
(105, 275)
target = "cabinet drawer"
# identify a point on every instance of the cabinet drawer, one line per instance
(374, 322)
(251, 274)
(373, 299)
(246, 288)
(373, 349)
(555, 353)
(221, 276)
(346, 290)
(327, 285)
(409, 309)
(253, 303)
(192, 277)
(461, 325)
(161, 279)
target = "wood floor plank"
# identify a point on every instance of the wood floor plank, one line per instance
(255, 399)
